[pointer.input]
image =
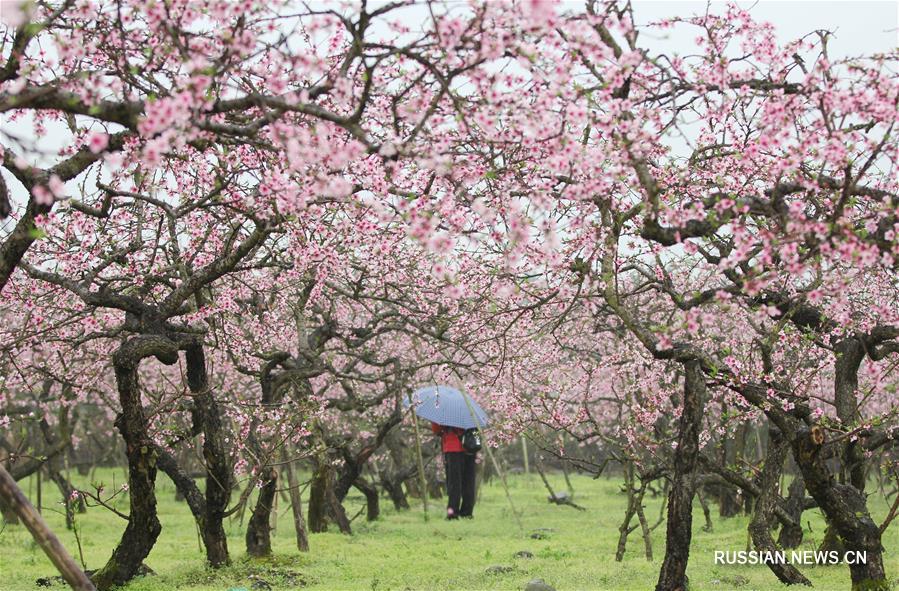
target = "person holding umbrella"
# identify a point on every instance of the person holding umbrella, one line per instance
(460, 472)
(456, 418)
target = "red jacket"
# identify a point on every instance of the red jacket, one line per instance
(451, 441)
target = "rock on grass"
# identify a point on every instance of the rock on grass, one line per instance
(538, 585)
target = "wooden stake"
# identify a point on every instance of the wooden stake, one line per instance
(421, 464)
(273, 516)
(39, 500)
(502, 475)
(296, 503)
(14, 497)
(524, 454)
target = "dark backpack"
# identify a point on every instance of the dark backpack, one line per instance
(471, 440)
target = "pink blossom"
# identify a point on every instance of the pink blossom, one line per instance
(42, 195)
(57, 187)
(97, 142)
(539, 12)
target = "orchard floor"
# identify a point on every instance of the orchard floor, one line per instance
(402, 551)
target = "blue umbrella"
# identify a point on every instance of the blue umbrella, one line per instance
(447, 406)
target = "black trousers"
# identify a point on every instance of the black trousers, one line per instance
(459, 483)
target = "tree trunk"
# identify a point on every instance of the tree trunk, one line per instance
(760, 526)
(436, 486)
(208, 511)
(849, 355)
(143, 524)
(61, 439)
(66, 490)
(744, 498)
(791, 535)
(728, 502)
(318, 507)
(9, 515)
(324, 507)
(372, 500)
(394, 488)
(844, 505)
(846, 509)
(644, 525)
(413, 486)
(831, 541)
(625, 528)
(219, 473)
(296, 504)
(337, 513)
(349, 473)
(706, 512)
(259, 539)
(673, 575)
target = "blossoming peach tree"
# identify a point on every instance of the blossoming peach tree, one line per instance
(321, 205)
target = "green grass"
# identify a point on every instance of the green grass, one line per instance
(402, 551)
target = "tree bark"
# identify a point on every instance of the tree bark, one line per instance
(372, 500)
(728, 501)
(9, 515)
(760, 526)
(706, 512)
(394, 488)
(673, 575)
(324, 506)
(846, 509)
(791, 534)
(20, 239)
(143, 524)
(318, 508)
(258, 538)
(644, 525)
(625, 528)
(739, 452)
(219, 473)
(850, 353)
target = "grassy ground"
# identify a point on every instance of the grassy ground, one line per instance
(402, 551)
